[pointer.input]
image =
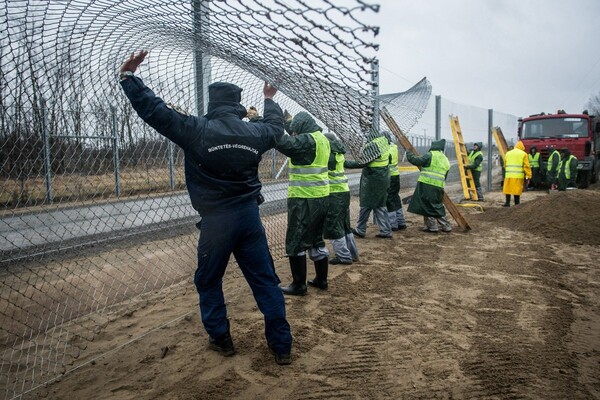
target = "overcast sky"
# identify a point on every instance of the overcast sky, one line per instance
(516, 56)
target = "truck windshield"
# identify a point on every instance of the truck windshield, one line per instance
(555, 128)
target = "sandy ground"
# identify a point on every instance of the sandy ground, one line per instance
(507, 310)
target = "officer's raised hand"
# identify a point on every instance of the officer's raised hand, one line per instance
(134, 61)
(269, 91)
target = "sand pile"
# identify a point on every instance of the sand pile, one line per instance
(572, 216)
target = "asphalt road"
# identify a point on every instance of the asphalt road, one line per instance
(42, 231)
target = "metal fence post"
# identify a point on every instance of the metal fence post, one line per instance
(201, 28)
(273, 166)
(375, 92)
(116, 158)
(490, 164)
(47, 154)
(438, 117)
(171, 165)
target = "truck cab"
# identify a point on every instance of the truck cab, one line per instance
(580, 133)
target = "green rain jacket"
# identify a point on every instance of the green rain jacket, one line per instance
(374, 181)
(567, 172)
(427, 200)
(393, 199)
(337, 223)
(306, 217)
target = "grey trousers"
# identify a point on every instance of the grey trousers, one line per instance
(345, 248)
(315, 253)
(479, 191)
(381, 219)
(396, 218)
(434, 224)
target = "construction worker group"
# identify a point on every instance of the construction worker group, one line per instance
(222, 153)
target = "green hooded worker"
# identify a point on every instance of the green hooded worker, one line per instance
(374, 183)
(337, 224)
(308, 191)
(567, 170)
(428, 198)
(476, 166)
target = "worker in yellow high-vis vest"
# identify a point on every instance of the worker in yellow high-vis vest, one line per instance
(476, 166)
(535, 161)
(374, 182)
(567, 170)
(552, 167)
(428, 197)
(516, 170)
(394, 203)
(308, 191)
(337, 223)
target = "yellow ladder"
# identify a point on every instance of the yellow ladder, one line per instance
(462, 156)
(500, 141)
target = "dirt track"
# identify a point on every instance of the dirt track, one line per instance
(509, 310)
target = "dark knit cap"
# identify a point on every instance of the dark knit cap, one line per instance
(223, 92)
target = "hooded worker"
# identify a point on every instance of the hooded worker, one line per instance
(552, 167)
(428, 198)
(517, 170)
(534, 163)
(308, 191)
(393, 203)
(476, 166)
(567, 170)
(253, 115)
(374, 183)
(337, 223)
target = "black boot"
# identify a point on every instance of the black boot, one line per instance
(321, 269)
(507, 203)
(517, 199)
(223, 344)
(298, 285)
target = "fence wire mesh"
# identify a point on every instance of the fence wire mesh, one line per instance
(94, 215)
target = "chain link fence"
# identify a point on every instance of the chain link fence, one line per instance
(94, 215)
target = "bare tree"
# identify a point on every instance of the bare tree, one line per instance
(593, 105)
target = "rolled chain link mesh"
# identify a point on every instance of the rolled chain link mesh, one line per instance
(94, 214)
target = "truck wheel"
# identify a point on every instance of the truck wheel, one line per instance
(595, 171)
(584, 178)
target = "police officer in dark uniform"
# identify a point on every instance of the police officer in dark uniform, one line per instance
(222, 154)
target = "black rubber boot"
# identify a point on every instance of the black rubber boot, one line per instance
(321, 269)
(298, 285)
(517, 199)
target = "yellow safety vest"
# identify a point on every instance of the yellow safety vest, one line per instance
(472, 156)
(338, 181)
(567, 166)
(551, 158)
(383, 160)
(394, 160)
(534, 161)
(435, 174)
(514, 164)
(311, 181)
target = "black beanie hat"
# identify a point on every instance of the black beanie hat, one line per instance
(220, 92)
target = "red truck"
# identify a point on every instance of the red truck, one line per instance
(580, 133)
